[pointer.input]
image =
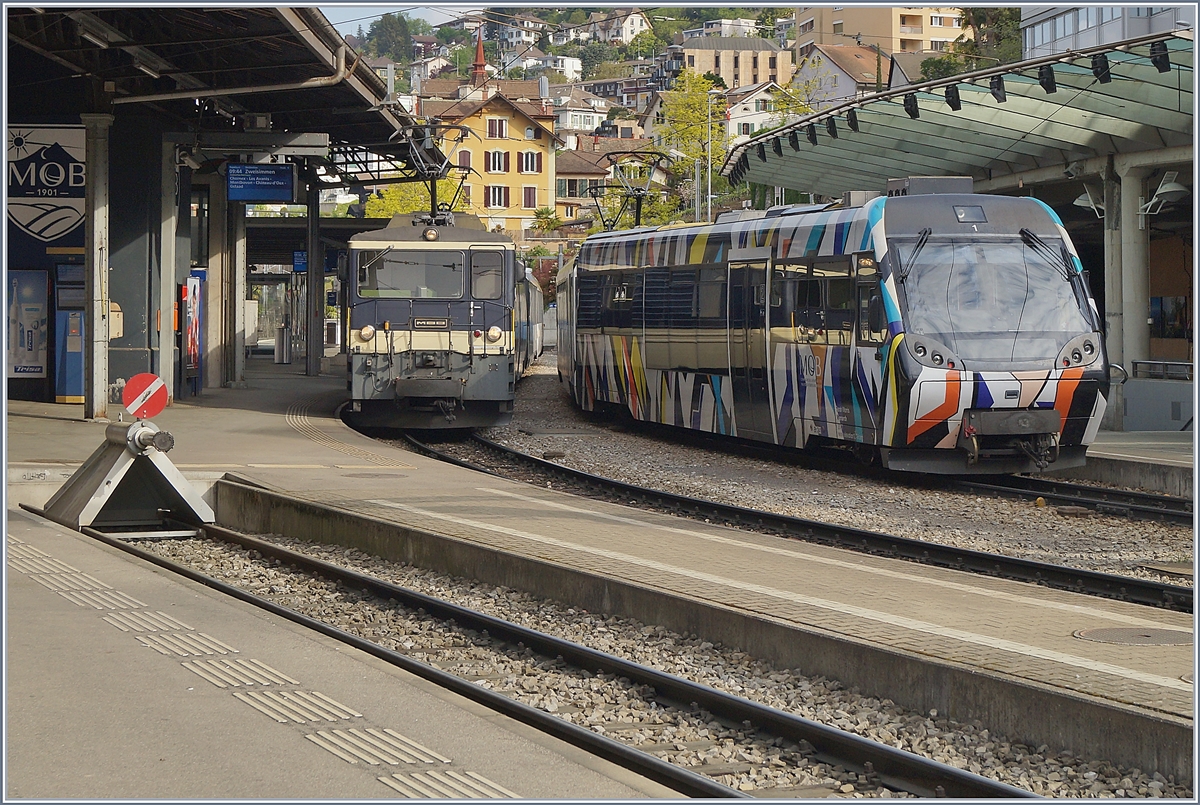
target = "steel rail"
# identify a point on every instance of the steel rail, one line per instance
(1107, 585)
(896, 768)
(675, 777)
(1129, 503)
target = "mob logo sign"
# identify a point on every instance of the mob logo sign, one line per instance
(47, 179)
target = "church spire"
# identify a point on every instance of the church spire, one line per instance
(479, 68)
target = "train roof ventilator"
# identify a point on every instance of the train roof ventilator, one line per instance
(129, 488)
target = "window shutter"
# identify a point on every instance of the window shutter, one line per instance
(539, 162)
(506, 199)
(464, 159)
(506, 167)
(492, 127)
(537, 134)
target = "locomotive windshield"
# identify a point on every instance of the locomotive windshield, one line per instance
(991, 300)
(399, 273)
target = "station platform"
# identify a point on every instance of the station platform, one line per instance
(1008, 654)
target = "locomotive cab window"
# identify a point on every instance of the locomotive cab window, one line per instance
(487, 274)
(403, 274)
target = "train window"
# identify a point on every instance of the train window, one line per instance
(487, 275)
(395, 273)
(970, 215)
(866, 292)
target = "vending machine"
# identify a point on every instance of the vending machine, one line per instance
(70, 301)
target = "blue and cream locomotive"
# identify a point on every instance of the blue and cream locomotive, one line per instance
(443, 320)
(946, 333)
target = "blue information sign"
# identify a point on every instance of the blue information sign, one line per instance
(300, 262)
(258, 184)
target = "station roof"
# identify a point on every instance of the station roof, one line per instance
(235, 61)
(862, 142)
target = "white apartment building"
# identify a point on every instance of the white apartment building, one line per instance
(1046, 30)
(724, 27)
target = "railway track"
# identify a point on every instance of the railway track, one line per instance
(873, 768)
(1100, 499)
(1116, 502)
(1107, 585)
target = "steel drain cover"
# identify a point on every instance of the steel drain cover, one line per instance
(1137, 637)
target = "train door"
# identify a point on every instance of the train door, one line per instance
(795, 315)
(833, 346)
(748, 349)
(871, 334)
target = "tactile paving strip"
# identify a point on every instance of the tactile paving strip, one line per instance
(297, 706)
(446, 785)
(185, 645)
(373, 747)
(238, 673)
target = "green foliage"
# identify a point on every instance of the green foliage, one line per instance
(942, 66)
(538, 251)
(611, 69)
(389, 36)
(715, 80)
(408, 197)
(593, 55)
(546, 220)
(690, 124)
(994, 33)
(645, 45)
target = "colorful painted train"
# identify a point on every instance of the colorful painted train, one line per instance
(443, 320)
(947, 333)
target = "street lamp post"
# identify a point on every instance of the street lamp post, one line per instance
(708, 198)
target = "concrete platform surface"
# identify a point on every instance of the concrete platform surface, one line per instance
(967, 645)
(114, 692)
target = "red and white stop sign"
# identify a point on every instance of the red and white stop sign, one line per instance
(145, 395)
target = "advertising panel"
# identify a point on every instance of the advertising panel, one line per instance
(27, 338)
(191, 333)
(46, 180)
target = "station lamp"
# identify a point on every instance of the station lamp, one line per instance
(811, 133)
(1100, 68)
(1159, 56)
(953, 100)
(910, 105)
(794, 140)
(852, 120)
(777, 146)
(996, 86)
(831, 127)
(762, 153)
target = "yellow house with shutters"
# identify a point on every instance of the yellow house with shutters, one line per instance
(510, 151)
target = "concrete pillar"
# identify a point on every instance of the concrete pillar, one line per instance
(1113, 318)
(1135, 268)
(315, 308)
(235, 278)
(164, 366)
(96, 259)
(213, 340)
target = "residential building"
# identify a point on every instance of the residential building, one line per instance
(569, 67)
(724, 27)
(575, 172)
(424, 46)
(617, 26)
(577, 109)
(630, 93)
(906, 68)
(739, 60)
(751, 109)
(424, 69)
(830, 73)
(527, 58)
(511, 149)
(468, 22)
(785, 29)
(893, 29)
(1046, 30)
(519, 32)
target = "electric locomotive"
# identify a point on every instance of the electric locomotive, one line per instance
(947, 333)
(443, 320)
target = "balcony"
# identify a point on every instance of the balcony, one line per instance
(910, 29)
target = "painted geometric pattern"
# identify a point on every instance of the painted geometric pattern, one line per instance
(819, 390)
(613, 372)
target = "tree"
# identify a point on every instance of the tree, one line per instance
(389, 37)
(693, 120)
(546, 220)
(989, 35)
(611, 69)
(766, 21)
(645, 45)
(408, 197)
(594, 54)
(716, 80)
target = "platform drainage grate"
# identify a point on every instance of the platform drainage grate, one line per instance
(1137, 637)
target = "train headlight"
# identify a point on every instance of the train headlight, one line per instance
(430, 234)
(919, 350)
(367, 332)
(938, 360)
(494, 333)
(1088, 348)
(1076, 356)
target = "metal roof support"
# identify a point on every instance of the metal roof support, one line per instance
(96, 261)
(1135, 271)
(339, 75)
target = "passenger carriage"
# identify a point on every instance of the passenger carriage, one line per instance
(947, 333)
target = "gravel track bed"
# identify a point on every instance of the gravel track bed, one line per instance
(995, 525)
(614, 707)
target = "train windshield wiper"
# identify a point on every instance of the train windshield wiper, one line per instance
(376, 258)
(906, 266)
(1058, 260)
